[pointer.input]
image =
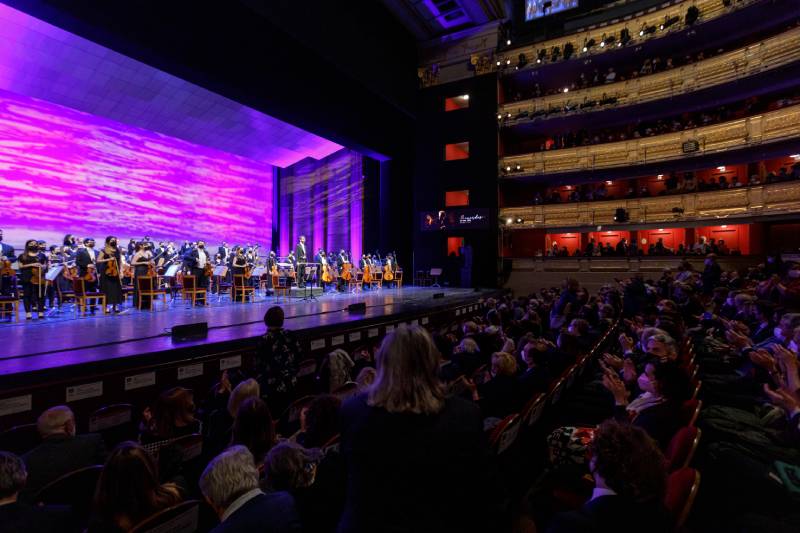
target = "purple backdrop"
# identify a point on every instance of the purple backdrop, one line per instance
(65, 171)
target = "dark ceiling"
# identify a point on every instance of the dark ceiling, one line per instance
(429, 19)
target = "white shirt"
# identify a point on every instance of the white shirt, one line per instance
(239, 502)
(201, 258)
(91, 253)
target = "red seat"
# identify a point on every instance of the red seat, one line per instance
(181, 518)
(691, 410)
(682, 488)
(681, 448)
(504, 434)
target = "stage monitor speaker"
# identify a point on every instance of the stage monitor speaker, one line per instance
(437, 295)
(357, 308)
(184, 332)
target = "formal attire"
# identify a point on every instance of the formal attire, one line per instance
(59, 455)
(301, 258)
(6, 251)
(434, 467)
(255, 511)
(197, 260)
(111, 286)
(608, 512)
(32, 292)
(140, 261)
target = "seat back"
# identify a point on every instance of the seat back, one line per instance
(289, 421)
(557, 391)
(20, 439)
(681, 448)
(238, 281)
(189, 283)
(682, 486)
(114, 422)
(181, 518)
(74, 488)
(79, 287)
(691, 410)
(190, 446)
(533, 410)
(505, 434)
(345, 391)
(144, 283)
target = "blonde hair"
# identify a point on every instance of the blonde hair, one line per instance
(407, 380)
(505, 364)
(248, 388)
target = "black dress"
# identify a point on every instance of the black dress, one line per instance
(111, 286)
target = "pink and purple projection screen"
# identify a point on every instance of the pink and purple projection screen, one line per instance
(65, 171)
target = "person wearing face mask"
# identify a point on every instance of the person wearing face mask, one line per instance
(111, 285)
(32, 268)
(198, 259)
(6, 285)
(85, 259)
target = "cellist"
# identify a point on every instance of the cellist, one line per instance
(32, 267)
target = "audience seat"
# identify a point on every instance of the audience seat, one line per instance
(533, 410)
(691, 410)
(346, 391)
(181, 518)
(306, 377)
(20, 439)
(682, 488)
(289, 421)
(115, 423)
(682, 447)
(75, 489)
(504, 434)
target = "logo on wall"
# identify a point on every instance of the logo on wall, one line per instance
(450, 219)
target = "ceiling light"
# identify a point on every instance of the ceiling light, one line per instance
(721, 169)
(508, 169)
(508, 42)
(609, 182)
(465, 97)
(509, 221)
(566, 89)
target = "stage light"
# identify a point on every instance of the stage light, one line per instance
(609, 182)
(619, 44)
(796, 157)
(724, 226)
(499, 62)
(660, 177)
(520, 221)
(508, 169)
(499, 116)
(508, 115)
(508, 42)
(518, 167)
(465, 97)
(566, 89)
(602, 44)
(509, 221)
(508, 61)
(538, 61)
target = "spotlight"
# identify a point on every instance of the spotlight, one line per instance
(538, 61)
(508, 115)
(499, 116)
(508, 61)
(602, 44)
(508, 169)
(508, 42)
(509, 221)
(520, 221)
(566, 89)
(796, 157)
(498, 62)
(721, 169)
(465, 97)
(518, 167)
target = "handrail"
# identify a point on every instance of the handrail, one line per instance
(765, 128)
(755, 200)
(708, 9)
(766, 55)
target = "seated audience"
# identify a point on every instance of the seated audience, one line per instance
(172, 417)
(61, 450)
(254, 428)
(219, 426)
(230, 486)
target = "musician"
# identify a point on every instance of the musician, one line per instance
(85, 259)
(32, 268)
(302, 258)
(364, 262)
(111, 286)
(272, 260)
(131, 247)
(6, 285)
(239, 262)
(142, 257)
(224, 253)
(197, 261)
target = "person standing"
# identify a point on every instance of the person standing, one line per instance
(32, 267)
(301, 258)
(198, 259)
(110, 284)
(86, 259)
(140, 262)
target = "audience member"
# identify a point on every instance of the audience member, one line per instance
(254, 428)
(277, 361)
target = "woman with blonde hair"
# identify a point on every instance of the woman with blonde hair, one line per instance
(403, 437)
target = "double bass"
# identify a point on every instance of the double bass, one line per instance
(388, 275)
(346, 274)
(367, 274)
(326, 273)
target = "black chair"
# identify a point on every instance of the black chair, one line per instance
(75, 489)
(115, 423)
(181, 518)
(20, 439)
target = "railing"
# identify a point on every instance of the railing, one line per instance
(748, 61)
(709, 9)
(770, 199)
(768, 127)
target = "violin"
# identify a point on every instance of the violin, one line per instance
(112, 269)
(151, 270)
(388, 275)
(208, 270)
(5, 268)
(91, 273)
(248, 272)
(127, 271)
(70, 271)
(346, 272)
(36, 276)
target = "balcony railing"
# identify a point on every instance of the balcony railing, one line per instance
(769, 54)
(709, 9)
(776, 198)
(768, 127)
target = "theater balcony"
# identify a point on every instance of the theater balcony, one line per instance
(779, 127)
(747, 66)
(775, 200)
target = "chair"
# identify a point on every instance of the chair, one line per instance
(356, 282)
(191, 290)
(282, 287)
(241, 289)
(114, 422)
(698, 384)
(181, 518)
(533, 410)
(289, 420)
(190, 446)
(10, 303)
(20, 439)
(504, 434)
(682, 488)
(146, 287)
(377, 279)
(556, 391)
(398, 277)
(74, 488)
(435, 273)
(691, 410)
(346, 391)
(681, 448)
(82, 297)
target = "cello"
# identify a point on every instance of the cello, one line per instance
(367, 274)
(388, 275)
(346, 274)
(326, 273)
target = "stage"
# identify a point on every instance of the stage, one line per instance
(48, 348)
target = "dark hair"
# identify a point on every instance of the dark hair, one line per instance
(254, 428)
(673, 383)
(322, 420)
(129, 486)
(273, 318)
(12, 474)
(172, 404)
(629, 461)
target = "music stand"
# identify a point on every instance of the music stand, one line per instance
(219, 272)
(435, 273)
(170, 273)
(257, 273)
(308, 288)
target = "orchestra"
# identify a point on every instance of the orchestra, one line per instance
(44, 278)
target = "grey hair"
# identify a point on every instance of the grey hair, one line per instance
(245, 390)
(228, 476)
(12, 474)
(407, 380)
(52, 421)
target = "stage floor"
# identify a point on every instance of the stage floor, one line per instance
(65, 340)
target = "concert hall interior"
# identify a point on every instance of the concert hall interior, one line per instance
(452, 266)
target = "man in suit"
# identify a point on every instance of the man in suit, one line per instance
(230, 486)
(7, 253)
(301, 258)
(536, 377)
(19, 517)
(61, 450)
(630, 481)
(83, 258)
(197, 261)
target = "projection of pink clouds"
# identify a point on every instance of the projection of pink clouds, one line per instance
(65, 171)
